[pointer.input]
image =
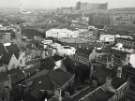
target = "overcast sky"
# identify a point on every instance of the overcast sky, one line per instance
(61, 3)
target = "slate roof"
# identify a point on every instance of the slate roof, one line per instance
(3, 77)
(50, 81)
(16, 76)
(47, 63)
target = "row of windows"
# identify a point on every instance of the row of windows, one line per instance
(126, 43)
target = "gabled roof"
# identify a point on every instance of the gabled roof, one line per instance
(6, 52)
(51, 81)
(60, 77)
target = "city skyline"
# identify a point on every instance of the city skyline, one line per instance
(51, 4)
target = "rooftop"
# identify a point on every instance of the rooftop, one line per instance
(7, 51)
(50, 81)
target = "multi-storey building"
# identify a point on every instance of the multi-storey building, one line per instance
(91, 6)
(6, 35)
(122, 16)
(128, 43)
(10, 33)
(99, 19)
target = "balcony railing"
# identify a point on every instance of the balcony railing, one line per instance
(89, 95)
(121, 93)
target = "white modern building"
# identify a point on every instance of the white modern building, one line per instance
(107, 38)
(61, 33)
